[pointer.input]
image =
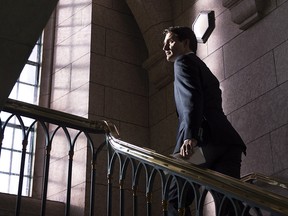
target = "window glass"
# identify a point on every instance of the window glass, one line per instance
(29, 74)
(13, 184)
(13, 93)
(5, 160)
(26, 93)
(15, 165)
(17, 140)
(25, 89)
(4, 115)
(34, 55)
(4, 182)
(28, 167)
(8, 137)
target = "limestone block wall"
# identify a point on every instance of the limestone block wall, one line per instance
(118, 87)
(96, 72)
(118, 83)
(251, 64)
(70, 83)
(108, 64)
(260, 111)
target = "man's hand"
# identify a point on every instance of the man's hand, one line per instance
(186, 149)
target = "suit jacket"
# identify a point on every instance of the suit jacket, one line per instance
(198, 100)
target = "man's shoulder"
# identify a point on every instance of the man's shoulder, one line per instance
(188, 58)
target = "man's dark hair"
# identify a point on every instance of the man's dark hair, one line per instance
(183, 33)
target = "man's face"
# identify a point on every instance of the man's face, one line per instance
(173, 47)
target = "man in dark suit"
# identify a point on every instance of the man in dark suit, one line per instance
(202, 121)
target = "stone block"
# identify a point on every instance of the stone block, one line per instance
(248, 84)
(73, 48)
(134, 134)
(163, 135)
(78, 194)
(262, 115)
(80, 72)
(160, 73)
(279, 143)
(154, 38)
(115, 21)
(259, 157)
(125, 48)
(101, 168)
(138, 7)
(58, 174)
(215, 63)
(157, 107)
(62, 56)
(59, 197)
(60, 144)
(121, 6)
(202, 50)
(225, 30)
(159, 12)
(126, 107)
(248, 46)
(101, 199)
(98, 39)
(281, 61)
(119, 75)
(105, 3)
(70, 26)
(75, 102)
(96, 99)
(279, 2)
(68, 8)
(171, 107)
(29, 206)
(80, 164)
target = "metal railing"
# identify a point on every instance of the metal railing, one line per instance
(60, 121)
(245, 198)
(255, 178)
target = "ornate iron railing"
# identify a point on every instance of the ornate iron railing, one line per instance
(136, 162)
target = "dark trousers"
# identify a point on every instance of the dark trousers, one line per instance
(223, 159)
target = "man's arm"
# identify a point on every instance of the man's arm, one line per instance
(190, 93)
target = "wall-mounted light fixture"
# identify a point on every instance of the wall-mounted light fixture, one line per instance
(203, 25)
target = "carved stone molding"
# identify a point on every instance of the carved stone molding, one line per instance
(244, 12)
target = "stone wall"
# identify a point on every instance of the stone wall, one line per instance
(70, 84)
(250, 61)
(108, 64)
(97, 73)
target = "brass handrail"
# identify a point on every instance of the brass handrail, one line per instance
(248, 193)
(54, 116)
(243, 191)
(258, 177)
